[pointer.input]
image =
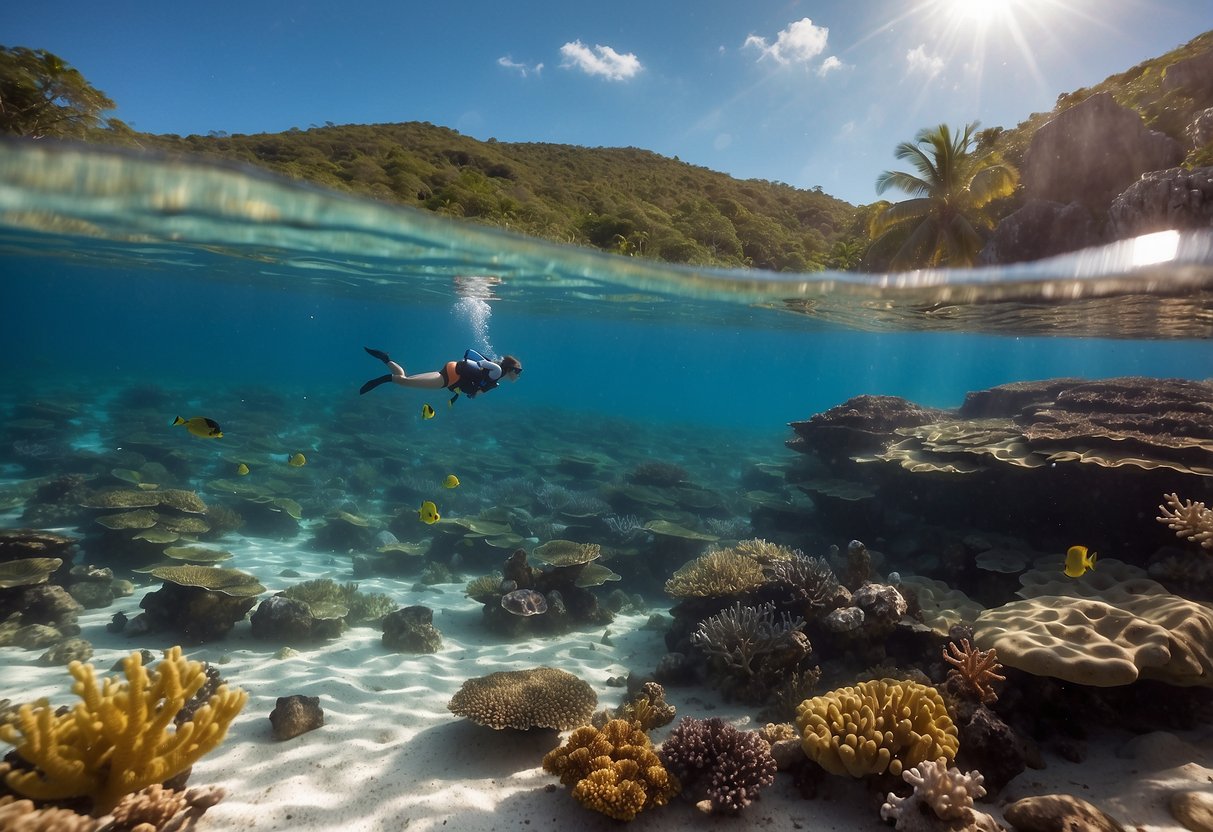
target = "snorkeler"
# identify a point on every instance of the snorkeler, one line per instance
(472, 375)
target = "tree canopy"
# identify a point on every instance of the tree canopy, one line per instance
(42, 95)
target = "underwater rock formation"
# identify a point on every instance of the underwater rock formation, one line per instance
(1024, 456)
(411, 630)
(295, 715)
(200, 604)
(553, 599)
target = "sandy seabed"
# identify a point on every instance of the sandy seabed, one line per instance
(391, 756)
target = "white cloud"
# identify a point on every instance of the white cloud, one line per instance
(919, 62)
(800, 43)
(829, 65)
(601, 60)
(522, 69)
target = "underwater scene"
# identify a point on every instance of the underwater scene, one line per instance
(627, 542)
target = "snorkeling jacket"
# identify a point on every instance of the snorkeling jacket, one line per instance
(472, 375)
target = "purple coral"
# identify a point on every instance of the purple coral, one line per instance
(715, 762)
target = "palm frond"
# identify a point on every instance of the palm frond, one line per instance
(897, 214)
(908, 182)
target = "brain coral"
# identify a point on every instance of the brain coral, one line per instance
(541, 697)
(877, 726)
(613, 770)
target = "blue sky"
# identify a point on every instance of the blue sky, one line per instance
(808, 93)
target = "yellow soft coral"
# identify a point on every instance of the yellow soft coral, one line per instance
(613, 770)
(876, 726)
(117, 740)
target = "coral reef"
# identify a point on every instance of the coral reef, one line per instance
(1189, 520)
(411, 630)
(941, 793)
(613, 770)
(116, 740)
(877, 726)
(540, 697)
(721, 768)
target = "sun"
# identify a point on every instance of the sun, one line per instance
(982, 12)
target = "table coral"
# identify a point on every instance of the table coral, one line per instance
(612, 770)
(540, 697)
(877, 726)
(117, 740)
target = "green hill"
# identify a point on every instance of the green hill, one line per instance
(625, 200)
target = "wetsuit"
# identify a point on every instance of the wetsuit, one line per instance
(472, 375)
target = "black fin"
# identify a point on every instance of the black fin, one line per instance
(380, 354)
(373, 383)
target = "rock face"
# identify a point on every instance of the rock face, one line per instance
(295, 715)
(1201, 128)
(1092, 152)
(1192, 76)
(1040, 229)
(1164, 199)
(411, 630)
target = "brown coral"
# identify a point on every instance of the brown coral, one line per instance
(613, 770)
(717, 574)
(541, 697)
(973, 671)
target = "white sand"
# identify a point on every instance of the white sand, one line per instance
(390, 756)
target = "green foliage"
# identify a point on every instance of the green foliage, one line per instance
(622, 200)
(952, 187)
(41, 96)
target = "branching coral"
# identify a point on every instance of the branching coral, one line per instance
(714, 760)
(647, 709)
(716, 575)
(117, 740)
(1189, 520)
(973, 671)
(748, 648)
(808, 582)
(877, 726)
(938, 790)
(613, 770)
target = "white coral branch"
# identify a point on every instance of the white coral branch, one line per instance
(1189, 520)
(948, 792)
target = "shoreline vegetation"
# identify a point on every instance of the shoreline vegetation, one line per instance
(628, 201)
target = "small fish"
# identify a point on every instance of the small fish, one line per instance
(451, 481)
(200, 426)
(429, 512)
(297, 461)
(427, 412)
(241, 469)
(1078, 561)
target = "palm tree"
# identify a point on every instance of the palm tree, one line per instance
(954, 184)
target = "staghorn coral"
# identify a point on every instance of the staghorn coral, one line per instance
(939, 790)
(715, 762)
(717, 574)
(116, 741)
(541, 697)
(809, 583)
(973, 671)
(612, 770)
(765, 552)
(1189, 520)
(748, 650)
(877, 726)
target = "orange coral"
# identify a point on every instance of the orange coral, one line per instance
(613, 770)
(974, 671)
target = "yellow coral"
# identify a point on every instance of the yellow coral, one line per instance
(613, 770)
(876, 726)
(719, 574)
(117, 740)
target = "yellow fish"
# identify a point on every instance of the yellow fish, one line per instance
(242, 469)
(451, 481)
(1078, 561)
(429, 512)
(427, 412)
(297, 461)
(200, 426)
